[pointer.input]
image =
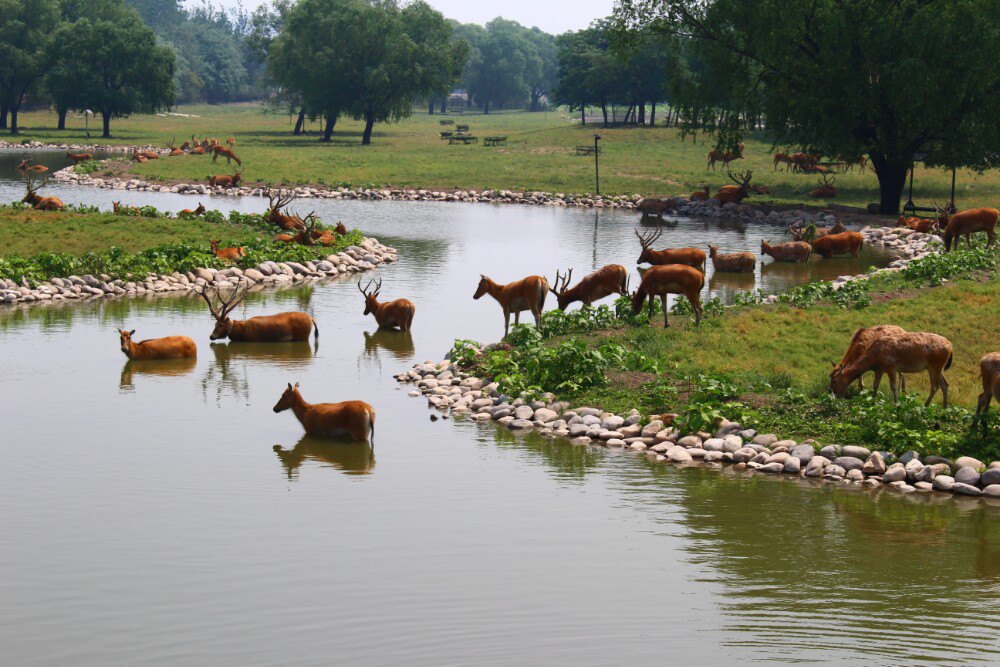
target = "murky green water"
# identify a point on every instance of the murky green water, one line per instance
(148, 519)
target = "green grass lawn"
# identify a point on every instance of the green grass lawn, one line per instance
(540, 156)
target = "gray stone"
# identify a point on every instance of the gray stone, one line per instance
(638, 446)
(520, 424)
(778, 458)
(968, 462)
(578, 429)
(855, 475)
(613, 423)
(581, 440)
(615, 442)
(965, 489)
(943, 482)
(744, 454)
(849, 462)
(872, 482)
(786, 444)
(993, 491)
(990, 477)
(908, 456)
(855, 451)
(792, 465)
(834, 470)
(875, 465)
(831, 451)
(689, 441)
(802, 452)
(545, 415)
(895, 473)
(524, 412)
(913, 467)
(967, 475)
(652, 428)
(679, 455)
(923, 486)
(765, 439)
(731, 443)
(697, 452)
(712, 444)
(772, 468)
(925, 474)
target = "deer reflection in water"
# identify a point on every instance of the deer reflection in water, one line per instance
(229, 372)
(156, 367)
(398, 343)
(727, 285)
(351, 458)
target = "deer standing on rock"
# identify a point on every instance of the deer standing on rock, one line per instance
(670, 279)
(171, 347)
(610, 279)
(329, 420)
(525, 294)
(388, 314)
(689, 256)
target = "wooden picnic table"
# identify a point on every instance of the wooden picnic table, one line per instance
(447, 122)
(446, 134)
(494, 141)
(464, 139)
(587, 150)
(462, 128)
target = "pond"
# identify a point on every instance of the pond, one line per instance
(148, 517)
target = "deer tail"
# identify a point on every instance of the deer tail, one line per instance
(371, 427)
(316, 327)
(948, 364)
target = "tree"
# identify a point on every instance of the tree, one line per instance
(498, 65)
(589, 72)
(114, 61)
(891, 78)
(544, 75)
(26, 31)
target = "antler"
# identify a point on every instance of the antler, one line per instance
(211, 307)
(364, 290)
(229, 304)
(742, 179)
(561, 282)
(646, 240)
(29, 182)
(827, 180)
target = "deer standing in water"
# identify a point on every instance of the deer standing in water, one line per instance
(839, 244)
(40, 203)
(388, 314)
(525, 294)
(689, 256)
(171, 347)
(659, 281)
(280, 328)
(79, 157)
(734, 262)
(329, 420)
(610, 279)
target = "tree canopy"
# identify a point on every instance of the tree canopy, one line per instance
(26, 29)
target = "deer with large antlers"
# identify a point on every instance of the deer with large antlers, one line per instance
(174, 151)
(607, 280)
(276, 202)
(219, 149)
(826, 187)
(226, 181)
(329, 420)
(659, 281)
(280, 328)
(735, 194)
(388, 314)
(525, 294)
(171, 347)
(689, 256)
(40, 203)
(25, 165)
(966, 223)
(232, 253)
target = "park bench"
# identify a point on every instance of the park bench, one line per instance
(446, 134)
(587, 150)
(494, 141)
(462, 128)
(465, 139)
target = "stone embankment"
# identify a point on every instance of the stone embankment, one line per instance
(353, 259)
(450, 389)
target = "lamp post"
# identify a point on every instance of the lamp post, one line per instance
(87, 113)
(597, 168)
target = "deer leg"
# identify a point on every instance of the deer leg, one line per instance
(506, 322)
(943, 382)
(663, 304)
(935, 384)
(877, 382)
(902, 382)
(517, 317)
(892, 385)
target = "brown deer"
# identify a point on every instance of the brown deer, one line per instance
(785, 159)
(79, 157)
(700, 195)
(280, 328)
(232, 253)
(689, 256)
(736, 262)
(118, 209)
(860, 341)
(171, 347)
(826, 188)
(340, 229)
(389, 314)
(839, 244)
(802, 233)
(227, 153)
(922, 225)
(40, 203)
(670, 279)
(187, 144)
(793, 251)
(278, 201)
(650, 206)
(607, 280)
(148, 155)
(226, 181)
(174, 151)
(989, 368)
(901, 353)
(25, 165)
(198, 212)
(735, 193)
(196, 150)
(231, 141)
(330, 420)
(966, 223)
(725, 157)
(525, 294)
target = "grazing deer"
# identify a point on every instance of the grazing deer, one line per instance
(198, 212)
(79, 157)
(793, 251)
(389, 314)
(25, 165)
(735, 193)
(227, 153)
(650, 206)
(278, 201)
(860, 341)
(670, 279)
(171, 347)
(736, 262)
(966, 223)
(40, 203)
(700, 195)
(838, 244)
(689, 256)
(725, 157)
(989, 368)
(280, 328)
(826, 187)
(785, 159)
(607, 280)
(525, 294)
(232, 253)
(901, 353)
(226, 181)
(330, 420)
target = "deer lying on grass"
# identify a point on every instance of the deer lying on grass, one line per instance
(734, 194)
(278, 201)
(142, 156)
(329, 420)
(525, 294)
(922, 225)
(700, 195)
(198, 212)
(388, 314)
(793, 251)
(838, 244)
(232, 253)
(989, 368)
(901, 353)
(736, 262)
(802, 233)
(966, 223)
(670, 279)
(689, 256)
(79, 157)
(280, 328)
(860, 341)
(227, 153)
(340, 229)
(196, 150)
(25, 165)
(118, 209)
(226, 181)
(171, 347)
(174, 151)
(650, 206)
(826, 188)
(40, 203)
(610, 279)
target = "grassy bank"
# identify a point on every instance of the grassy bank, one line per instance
(539, 156)
(768, 365)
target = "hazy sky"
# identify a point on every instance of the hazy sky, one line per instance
(553, 16)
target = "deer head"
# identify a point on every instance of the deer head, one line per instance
(32, 187)
(277, 201)
(371, 295)
(561, 284)
(288, 398)
(226, 306)
(647, 241)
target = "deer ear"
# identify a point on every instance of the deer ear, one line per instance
(132, 332)
(296, 385)
(289, 386)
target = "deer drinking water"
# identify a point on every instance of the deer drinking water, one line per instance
(525, 294)
(329, 420)
(388, 314)
(689, 256)
(608, 280)
(280, 328)
(171, 347)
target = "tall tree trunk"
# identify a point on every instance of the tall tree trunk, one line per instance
(535, 96)
(106, 121)
(891, 181)
(369, 124)
(604, 110)
(486, 108)
(62, 118)
(444, 104)
(642, 113)
(3, 115)
(583, 114)
(430, 106)
(300, 122)
(13, 119)
(331, 121)
(652, 115)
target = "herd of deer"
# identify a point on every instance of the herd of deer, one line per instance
(800, 162)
